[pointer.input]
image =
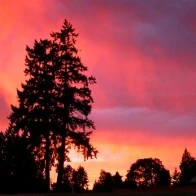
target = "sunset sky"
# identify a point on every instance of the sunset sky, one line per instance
(142, 53)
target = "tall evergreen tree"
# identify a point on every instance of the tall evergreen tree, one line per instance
(55, 101)
(74, 97)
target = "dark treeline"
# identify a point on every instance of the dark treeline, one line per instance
(21, 172)
(149, 173)
(52, 116)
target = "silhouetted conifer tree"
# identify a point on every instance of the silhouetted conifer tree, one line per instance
(74, 97)
(187, 167)
(55, 101)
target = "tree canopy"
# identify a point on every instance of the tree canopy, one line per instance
(148, 172)
(105, 182)
(80, 179)
(74, 180)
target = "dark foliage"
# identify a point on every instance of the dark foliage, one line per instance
(117, 180)
(73, 180)
(18, 169)
(105, 182)
(148, 172)
(187, 168)
(175, 178)
(80, 180)
(67, 183)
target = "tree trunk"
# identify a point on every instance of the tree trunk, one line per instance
(61, 162)
(47, 166)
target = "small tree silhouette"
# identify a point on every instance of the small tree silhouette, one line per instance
(175, 178)
(187, 167)
(117, 180)
(105, 182)
(80, 179)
